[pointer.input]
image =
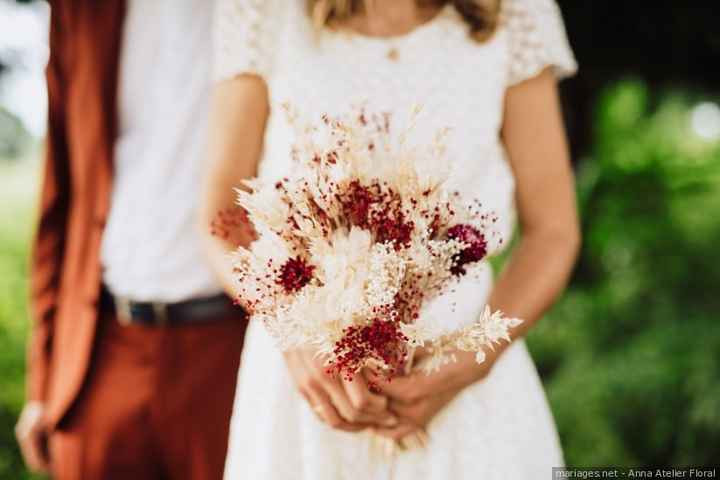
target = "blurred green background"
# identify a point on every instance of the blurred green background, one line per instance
(17, 204)
(630, 356)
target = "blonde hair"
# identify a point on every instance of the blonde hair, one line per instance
(481, 16)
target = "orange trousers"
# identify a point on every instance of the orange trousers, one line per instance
(156, 403)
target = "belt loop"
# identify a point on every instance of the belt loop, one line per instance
(122, 310)
(160, 312)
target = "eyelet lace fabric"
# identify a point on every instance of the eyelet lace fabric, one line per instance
(536, 38)
(499, 428)
(244, 38)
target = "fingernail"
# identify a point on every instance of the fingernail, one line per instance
(390, 422)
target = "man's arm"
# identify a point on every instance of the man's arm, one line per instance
(47, 255)
(47, 250)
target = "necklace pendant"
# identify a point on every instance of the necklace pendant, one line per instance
(393, 54)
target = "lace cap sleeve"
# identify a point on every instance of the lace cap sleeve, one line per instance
(244, 37)
(537, 39)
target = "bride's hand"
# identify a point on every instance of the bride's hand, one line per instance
(418, 397)
(342, 404)
(415, 416)
(455, 375)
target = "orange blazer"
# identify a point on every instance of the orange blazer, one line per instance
(85, 40)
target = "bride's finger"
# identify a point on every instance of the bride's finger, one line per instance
(408, 389)
(362, 398)
(327, 413)
(344, 406)
(420, 354)
(326, 393)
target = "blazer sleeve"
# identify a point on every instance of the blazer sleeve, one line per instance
(48, 244)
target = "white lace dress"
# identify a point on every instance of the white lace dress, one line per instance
(499, 428)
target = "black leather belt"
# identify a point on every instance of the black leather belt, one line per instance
(157, 314)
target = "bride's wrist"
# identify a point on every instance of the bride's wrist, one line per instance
(480, 370)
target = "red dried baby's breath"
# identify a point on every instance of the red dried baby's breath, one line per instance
(380, 340)
(232, 225)
(295, 273)
(391, 227)
(356, 202)
(378, 210)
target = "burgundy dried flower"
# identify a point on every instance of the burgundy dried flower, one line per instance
(476, 246)
(392, 228)
(295, 274)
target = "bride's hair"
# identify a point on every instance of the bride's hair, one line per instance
(480, 15)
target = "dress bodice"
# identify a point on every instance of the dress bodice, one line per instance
(458, 83)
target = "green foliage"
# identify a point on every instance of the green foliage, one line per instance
(16, 214)
(630, 354)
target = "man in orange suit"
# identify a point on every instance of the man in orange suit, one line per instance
(135, 350)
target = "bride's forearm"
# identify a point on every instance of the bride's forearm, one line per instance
(540, 266)
(217, 254)
(222, 233)
(535, 276)
(237, 124)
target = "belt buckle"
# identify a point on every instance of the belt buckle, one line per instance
(160, 312)
(123, 311)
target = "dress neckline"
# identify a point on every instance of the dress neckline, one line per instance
(430, 24)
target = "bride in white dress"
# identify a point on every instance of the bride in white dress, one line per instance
(487, 70)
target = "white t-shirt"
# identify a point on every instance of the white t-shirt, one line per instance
(151, 246)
